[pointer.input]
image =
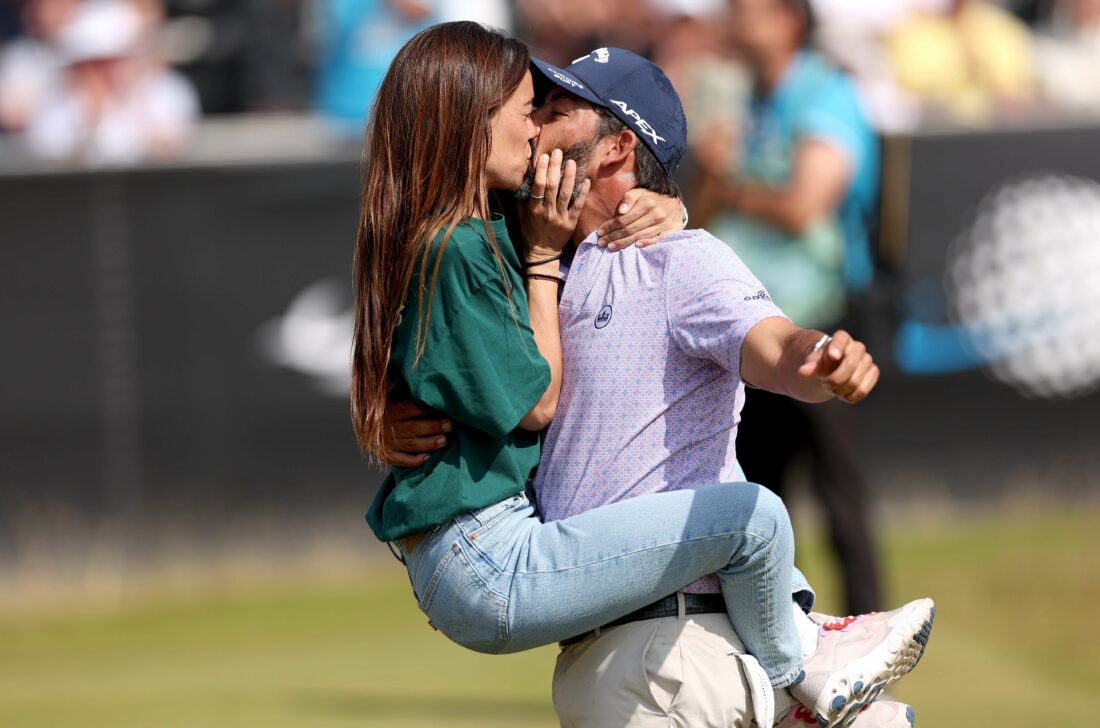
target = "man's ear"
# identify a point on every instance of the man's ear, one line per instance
(624, 144)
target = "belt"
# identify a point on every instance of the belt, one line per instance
(411, 542)
(667, 607)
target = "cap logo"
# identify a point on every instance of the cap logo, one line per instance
(642, 124)
(602, 56)
(565, 79)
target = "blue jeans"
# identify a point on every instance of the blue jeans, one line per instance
(500, 580)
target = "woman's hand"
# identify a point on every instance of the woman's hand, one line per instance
(549, 219)
(644, 216)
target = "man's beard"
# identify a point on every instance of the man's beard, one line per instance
(581, 153)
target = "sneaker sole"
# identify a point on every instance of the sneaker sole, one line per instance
(895, 657)
(909, 717)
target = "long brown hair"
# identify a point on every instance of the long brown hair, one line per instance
(427, 144)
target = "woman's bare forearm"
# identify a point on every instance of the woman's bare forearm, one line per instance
(542, 301)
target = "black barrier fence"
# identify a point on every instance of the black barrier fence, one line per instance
(934, 183)
(145, 334)
(182, 333)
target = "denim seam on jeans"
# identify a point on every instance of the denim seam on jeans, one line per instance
(429, 592)
(465, 543)
(761, 540)
(503, 628)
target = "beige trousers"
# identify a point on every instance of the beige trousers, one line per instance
(673, 672)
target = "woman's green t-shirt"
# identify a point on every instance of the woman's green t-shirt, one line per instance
(481, 368)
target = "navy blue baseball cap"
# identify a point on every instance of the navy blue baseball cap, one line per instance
(635, 90)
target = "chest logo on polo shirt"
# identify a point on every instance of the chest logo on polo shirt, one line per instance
(760, 296)
(603, 318)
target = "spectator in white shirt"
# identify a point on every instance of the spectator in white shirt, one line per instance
(115, 104)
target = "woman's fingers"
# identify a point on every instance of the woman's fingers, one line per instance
(538, 188)
(568, 180)
(549, 220)
(578, 204)
(553, 177)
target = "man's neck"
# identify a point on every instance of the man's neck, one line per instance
(589, 221)
(603, 202)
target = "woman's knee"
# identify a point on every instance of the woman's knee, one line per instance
(771, 519)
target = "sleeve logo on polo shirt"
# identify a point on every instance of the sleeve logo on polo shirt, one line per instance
(760, 296)
(603, 318)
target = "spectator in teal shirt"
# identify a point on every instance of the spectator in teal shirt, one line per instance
(357, 40)
(796, 202)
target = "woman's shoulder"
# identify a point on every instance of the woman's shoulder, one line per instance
(467, 250)
(467, 236)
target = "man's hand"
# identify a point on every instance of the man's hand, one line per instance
(409, 435)
(644, 216)
(781, 357)
(843, 367)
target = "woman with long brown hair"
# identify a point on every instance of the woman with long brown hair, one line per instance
(448, 316)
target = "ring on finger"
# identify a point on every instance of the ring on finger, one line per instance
(537, 197)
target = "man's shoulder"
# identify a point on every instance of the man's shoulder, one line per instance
(701, 266)
(696, 248)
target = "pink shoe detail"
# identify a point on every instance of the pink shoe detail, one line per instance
(843, 623)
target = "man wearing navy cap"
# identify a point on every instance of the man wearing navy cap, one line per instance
(656, 343)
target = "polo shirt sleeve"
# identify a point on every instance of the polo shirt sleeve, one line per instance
(713, 301)
(481, 365)
(835, 117)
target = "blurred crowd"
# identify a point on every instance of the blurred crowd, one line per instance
(114, 81)
(84, 80)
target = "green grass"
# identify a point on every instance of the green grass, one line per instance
(1016, 643)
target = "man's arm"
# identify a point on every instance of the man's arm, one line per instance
(644, 216)
(806, 364)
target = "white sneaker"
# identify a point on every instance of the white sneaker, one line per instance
(879, 714)
(856, 657)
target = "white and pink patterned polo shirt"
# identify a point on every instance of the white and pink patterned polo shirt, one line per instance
(652, 393)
